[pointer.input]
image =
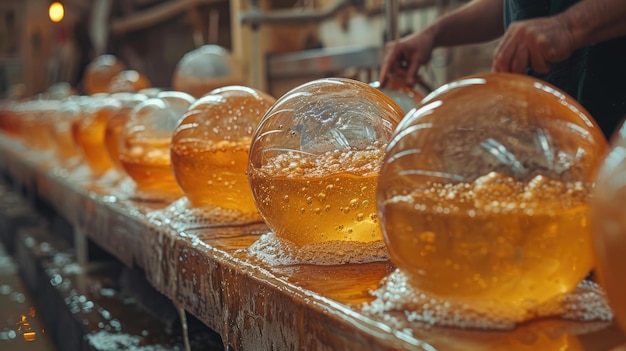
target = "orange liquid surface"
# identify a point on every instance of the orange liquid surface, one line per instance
(89, 135)
(459, 241)
(113, 130)
(214, 174)
(329, 198)
(147, 162)
(63, 140)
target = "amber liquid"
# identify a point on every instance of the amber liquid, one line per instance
(113, 130)
(37, 134)
(63, 140)
(147, 162)
(609, 224)
(306, 203)
(214, 174)
(89, 135)
(458, 241)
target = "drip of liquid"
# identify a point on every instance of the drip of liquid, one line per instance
(185, 330)
(277, 251)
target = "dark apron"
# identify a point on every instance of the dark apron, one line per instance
(595, 75)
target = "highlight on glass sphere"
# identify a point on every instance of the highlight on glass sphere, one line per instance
(115, 124)
(90, 129)
(205, 69)
(484, 192)
(144, 148)
(405, 96)
(99, 72)
(128, 81)
(608, 218)
(314, 161)
(210, 148)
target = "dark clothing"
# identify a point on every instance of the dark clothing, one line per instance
(595, 75)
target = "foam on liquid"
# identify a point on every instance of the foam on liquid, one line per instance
(398, 302)
(277, 251)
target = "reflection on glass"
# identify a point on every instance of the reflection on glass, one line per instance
(484, 192)
(315, 158)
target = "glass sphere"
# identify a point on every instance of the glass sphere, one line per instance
(69, 111)
(314, 161)
(115, 124)
(99, 72)
(405, 96)
(484, 191)
(36, 121)
(144, 147)
(128, 81)
(210, 147)
(206, 68)
(90, 130)
(608, 217)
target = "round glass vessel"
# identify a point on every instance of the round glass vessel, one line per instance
(144, 147)
(69, 111)
(210, 147)
(484, 191)
(314, 161)
(206, 68)
(100, 72)
(116, 123)
(406, 97)
(36, 120)
(608, 218)
(128, 81)
(90, 129)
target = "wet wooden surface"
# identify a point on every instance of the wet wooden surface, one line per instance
(252, 304)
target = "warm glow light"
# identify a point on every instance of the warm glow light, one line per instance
(56, 12)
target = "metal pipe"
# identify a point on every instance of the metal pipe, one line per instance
(392, 9)
(255, 17)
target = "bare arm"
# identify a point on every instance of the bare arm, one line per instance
(477, 21)
(594, 21)
(541, 41)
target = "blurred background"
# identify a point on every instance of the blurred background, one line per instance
(279, 44)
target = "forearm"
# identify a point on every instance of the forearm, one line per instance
(594, 21)
(475, 22)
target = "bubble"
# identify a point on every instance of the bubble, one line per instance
(144, 150)
(608, 220)
(493, 193)
(206, 68)
(100, 72)
(323, 142)
(224, 153)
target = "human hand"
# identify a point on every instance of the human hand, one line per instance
(533, 43)
(404, 57)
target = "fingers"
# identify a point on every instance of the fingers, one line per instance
(538, 61)
(411, 73)
(505, 52)
(401, 60)
(525, 44)
(392, 55)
